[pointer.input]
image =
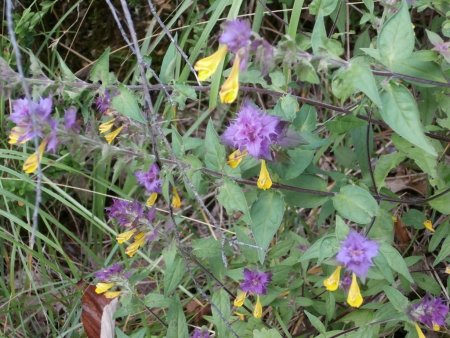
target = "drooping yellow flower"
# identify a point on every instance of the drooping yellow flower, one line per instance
(447, 269)
(176, 200)
(112, 135)
(139, 240)
(428, 225)
(264, 180)
(125, 236)
(103, 287)
(106, 126)
(332, 282)
(436, 327)
(257, 311)
(354, 298)
(32, 162)
(230, 88)
(240, 299)
(241, 316)
(15, 134)
(112, 294)
(235, 158)
(152, 199)
(208, 66)
(419, 331)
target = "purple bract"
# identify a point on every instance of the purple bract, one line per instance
(429, 311)
(255, 282)
(236, 34)
(105, 274)
(125, 213)
(150, 179)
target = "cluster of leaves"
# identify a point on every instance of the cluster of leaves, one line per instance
(364, 85)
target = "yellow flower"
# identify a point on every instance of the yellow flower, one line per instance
(112, 294)
(125, 236)
(32, 162)
(436, 327)
(208, 66)
(139, 241)
(103, 287)
(264, 180)
(241, 316)
(229, 90)
(257, 311)
(15, 134)
(112, 135)
(419, 331)
(447, 270)
(235, 158)
(332, 282)
(176, 200)
(151, 199)
(240, 299)
(106, 126)
(428, 225)
(354, 298)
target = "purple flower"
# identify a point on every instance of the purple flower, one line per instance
(255, 281)
(105, 274)
(70, 119)
(356, 253)
(32, 120)
(254, 131)
(125, 213)
(200, 333)
(150, 179)
(103, 102)
(236, 34)
(430, 311)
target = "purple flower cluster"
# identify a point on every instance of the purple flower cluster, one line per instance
(103, 102)
(125, 213)
(150, 179)
(70, 120)
(430, 311)
(254, 131)
(255, 281)
(33, 119)
(356, 253)
(236, 35)
(105, 274)
(200, 333)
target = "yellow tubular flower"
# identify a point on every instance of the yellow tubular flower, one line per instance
(332, 282)
(112, 135)
(229, 90)
(106, 126)
(103, 287)
(428, 225)
(257, 311)
(354, 298)
(208, 66)
(112, 294)
(139, 240)
(235, 158)
(241, 316)
(264, 180)
(176, 200)
(151, 199)
(32, 162)
(447, 270)
(125, 236)
(419, 331)
(436, 327)
(15, 134)
(240, 299)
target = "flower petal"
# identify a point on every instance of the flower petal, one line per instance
(428, 225)
(112, 294)
(176, 200)
(208, 66)
(240, 299)
(151, 199)
(257, 311)
(235, 158)
(230, 88)
(354, 298)
(332, 282)
(103, 287)
(112, 135)
(264, 180)
(125, 236)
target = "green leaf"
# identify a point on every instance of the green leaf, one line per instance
(342, 229)
(100, 70)
(400, 112)
(441, 203)
(175, 269)
(316, 322)
(214, 150)
(176, 320)
(298, 161)
(289, 107)
(397, 299)
(396, 39)
(444, 253)
(181, 93)
(221, 300)
(363, 80)
(324, 248)
(305, 200)
(355, 204)
(322, 7)
(167, 72)
(232, 198)
(395, 260)
(266, 333)
(266, 214)
(414, 66)
(127, 104)
(384, 165)
(158, 300)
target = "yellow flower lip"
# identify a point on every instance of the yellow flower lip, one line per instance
(15, 134)
(230, 88)
(103, 287)
(106, 126)
(176, 200)
(428, 225)
(354, 298)
(332, 282)
(257, 312)
(240, 299)
(264, 180)
(112, 135)
(139, 241)
(125, 236)
(32, 162)
(112, 294)
(208, 65)
(236, 157)
(419, 331)
(151, 199)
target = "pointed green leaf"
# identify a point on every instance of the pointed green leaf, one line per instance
(127, 104)
(355, 204)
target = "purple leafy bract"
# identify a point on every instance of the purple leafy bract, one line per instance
(255, 282)
(236, 34)
(429, 311)
(150, 179)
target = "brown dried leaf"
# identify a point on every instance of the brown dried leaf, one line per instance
(401, 233)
